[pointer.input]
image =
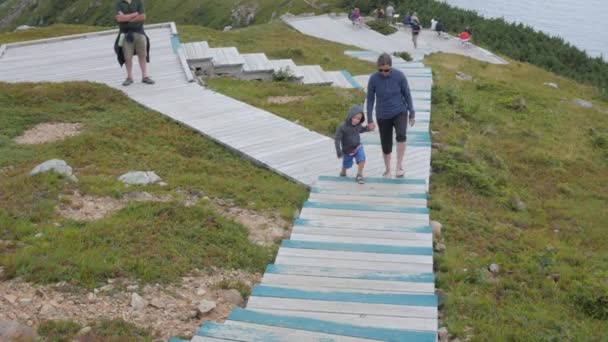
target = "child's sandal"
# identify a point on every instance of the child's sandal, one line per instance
(359, 179)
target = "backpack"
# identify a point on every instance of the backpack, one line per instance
(416, 26)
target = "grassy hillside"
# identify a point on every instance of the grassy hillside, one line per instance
(521, 181)
(212, 13)
(150, 241)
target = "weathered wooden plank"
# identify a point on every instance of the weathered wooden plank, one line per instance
(367, 321)
(338, 328)
(356, 256)
(340, 307)
(346, 284)
(361, 265)
(299, 236)
(361, 233)
(414, 274)
(238, 331)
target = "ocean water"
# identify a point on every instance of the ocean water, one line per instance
(582, 23)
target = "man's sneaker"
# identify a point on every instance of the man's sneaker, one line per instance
(147, 80)
(127, 82)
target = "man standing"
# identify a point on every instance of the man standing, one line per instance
(132, 39)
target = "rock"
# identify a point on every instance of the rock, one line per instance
(132, 288)
(25, 301)
(10, 298)
(137, 302)
(84, 331)
(227, 28)
(140, 178)
(47, 310)
(54, 165)
(436, 228)
(443, 334)
(440, 247)
(519, 105)
(192, 314)
(494, 268)
(13, 331)
(438, 146)
(517, 204)
(91, 298)
(461, 76)
(233, 297)
(157, 303)
(106, 288)
(204, 307)
(23, 28)
(583, 103)
(39, 235)
(200, 292)
(551, 84)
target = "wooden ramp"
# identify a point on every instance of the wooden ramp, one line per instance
(359, 264)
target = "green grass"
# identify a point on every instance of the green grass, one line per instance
(48, 32)
(277, 41)
(153, 242)
(104, 330)
(551, 155)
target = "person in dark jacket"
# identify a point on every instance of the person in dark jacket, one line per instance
(348, 142)
(132, 40)
(389, 90)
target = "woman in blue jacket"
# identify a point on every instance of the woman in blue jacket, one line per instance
(388, 89)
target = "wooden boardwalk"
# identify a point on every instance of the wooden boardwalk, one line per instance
(359, 264)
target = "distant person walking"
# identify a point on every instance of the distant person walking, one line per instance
(132, 40)
(439, 27)
(416, 27)
(390, 12)
(388, 89)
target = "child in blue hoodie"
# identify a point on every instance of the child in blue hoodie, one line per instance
(348, 142)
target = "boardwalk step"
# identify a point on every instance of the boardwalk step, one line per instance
(313, 75)
(286, 65)
(413, 275)
(375, 200)
(418, 226)
(348, 284)
(299, 236)
(355, 257)
(361, 233)
(339, 80)
(329, 327)
(241, 331)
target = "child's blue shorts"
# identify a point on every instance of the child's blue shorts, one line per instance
(359, 156)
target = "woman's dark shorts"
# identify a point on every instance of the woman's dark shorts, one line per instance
(399, 122)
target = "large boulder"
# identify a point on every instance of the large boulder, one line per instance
(54, 165)
(140, 178)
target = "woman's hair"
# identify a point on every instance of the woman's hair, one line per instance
(384, 59)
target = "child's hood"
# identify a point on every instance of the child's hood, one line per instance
(354, 110)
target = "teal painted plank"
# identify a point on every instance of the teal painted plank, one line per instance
(421, 229)
(235, 332)
(351, 80)
(366, 207)
(375, 180)
(354, 247)
(310, 324)
(330, 272)
(396, 194)
(354, 297)
(176, 339)
(175, 43)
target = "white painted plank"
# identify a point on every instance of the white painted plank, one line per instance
(360, 265)
(359, 240)
(292, 335)
(292, 304)
(346, 284)
(420, 324)
(356, 256)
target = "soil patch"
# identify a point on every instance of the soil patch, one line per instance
(48, 132)
(285, 99)
(88, 208)
(171, 310)
(264, 229)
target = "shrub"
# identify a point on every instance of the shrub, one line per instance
(283, 75)
(404, 55)
(381, 26)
